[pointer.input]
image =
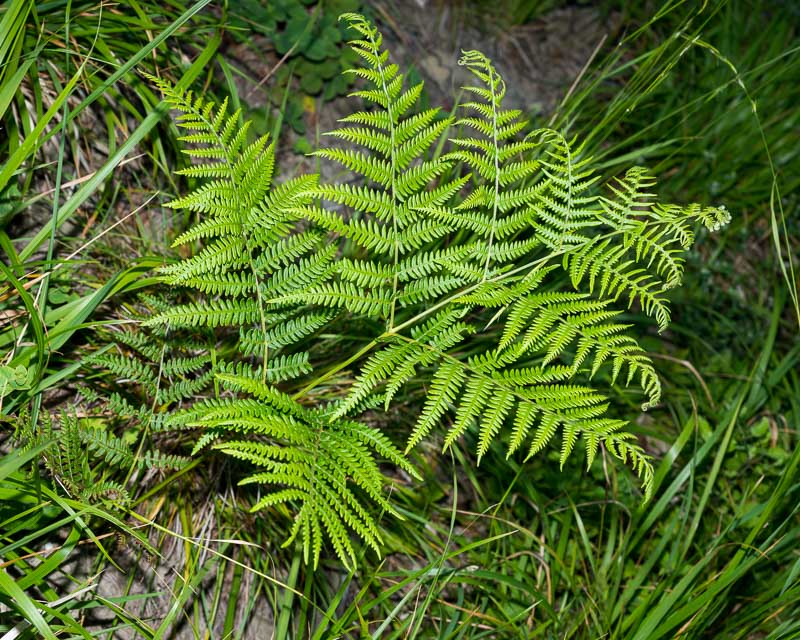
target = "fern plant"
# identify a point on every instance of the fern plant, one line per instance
(489, 274)
(88, 459)
(119, 436)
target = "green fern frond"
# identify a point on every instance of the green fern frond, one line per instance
(225, 253)
(280, 368)
(632, 198)
(179, 390)
(395, 156)
(233, 284)
(318, 464)
(307, 273)
(497, 157)
(566, 206)
(107, 490)
(445, 385)
(154, 459)
(288, 331)
(107, 446)
(139, 342)
(127, 368)
(611, 275)
(375, 303)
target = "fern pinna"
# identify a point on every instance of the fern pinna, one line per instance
(489, 274)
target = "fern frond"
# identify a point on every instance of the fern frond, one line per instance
(128, 369)
(107, 446)
(154, 459)
(107, 490)
(432, 248)
(509, 189)
(314, 461)
(610, 275)
(233, 284)
(445, 385)
(388, 218)
(345, 295)
(303, 274)
(140, 343)
(179, 390)
(223, 254)
(182, 366)
(632, 198)
(564, 208)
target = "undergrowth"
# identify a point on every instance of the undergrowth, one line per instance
(362, 405)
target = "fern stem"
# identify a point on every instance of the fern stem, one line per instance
(339, 366)
(496, 173)
(393, 164)
(262, 317)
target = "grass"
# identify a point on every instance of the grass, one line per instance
(706, 97)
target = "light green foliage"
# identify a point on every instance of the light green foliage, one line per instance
(489, 274)
(402, 183)
(256, 263)
(318, 464)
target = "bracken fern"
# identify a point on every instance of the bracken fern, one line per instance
(490, 275)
